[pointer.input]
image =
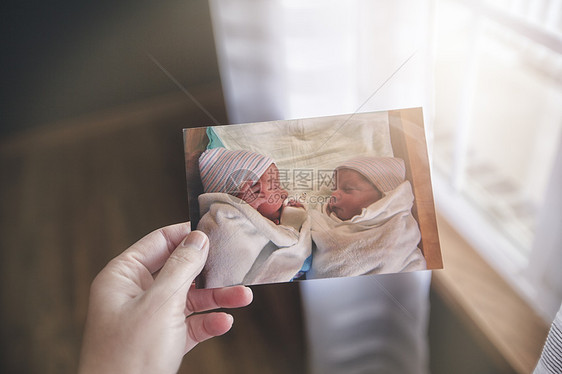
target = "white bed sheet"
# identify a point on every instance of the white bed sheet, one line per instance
(312, 145)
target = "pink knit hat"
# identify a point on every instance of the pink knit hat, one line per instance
(385, 173)
(223, 170)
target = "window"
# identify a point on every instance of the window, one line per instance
(497, 132)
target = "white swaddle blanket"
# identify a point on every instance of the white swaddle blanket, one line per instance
(246, 247)
(382, 239)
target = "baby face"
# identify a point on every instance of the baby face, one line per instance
(353, 193)
(266, 195)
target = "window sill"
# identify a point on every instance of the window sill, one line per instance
(507, 326)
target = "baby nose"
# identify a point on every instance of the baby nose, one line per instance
(334, 197)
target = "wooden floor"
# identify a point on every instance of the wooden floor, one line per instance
(76, 194)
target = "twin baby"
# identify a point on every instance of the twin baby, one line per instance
(258, 236)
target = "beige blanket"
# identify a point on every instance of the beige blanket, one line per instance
(382, 239)
(247, 248)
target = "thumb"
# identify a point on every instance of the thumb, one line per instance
(181, 268)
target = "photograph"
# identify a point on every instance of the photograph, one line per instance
(313, 198)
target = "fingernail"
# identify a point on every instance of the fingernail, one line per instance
(249, 293)
(231, 319)
(195, 239)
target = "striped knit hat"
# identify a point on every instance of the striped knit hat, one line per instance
(223, 170)
(385, 173)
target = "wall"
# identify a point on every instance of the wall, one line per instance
(61, 58)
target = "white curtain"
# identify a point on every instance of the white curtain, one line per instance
(546, 256)
(288, 59)
(293, 59)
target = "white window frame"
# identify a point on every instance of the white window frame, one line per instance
(534, 277)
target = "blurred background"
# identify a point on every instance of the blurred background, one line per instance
(91, 159)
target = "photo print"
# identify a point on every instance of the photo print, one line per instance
(312, 198)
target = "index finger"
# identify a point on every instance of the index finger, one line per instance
(154, 249)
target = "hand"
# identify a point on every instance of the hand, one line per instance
(140, 302)
(294, 203)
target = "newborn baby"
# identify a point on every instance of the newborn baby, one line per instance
(255, 234)
(353, 193)
(367, 226)
(251, 177)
